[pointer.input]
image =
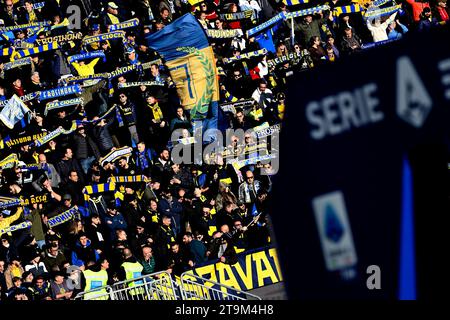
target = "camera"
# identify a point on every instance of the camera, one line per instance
(38, 184)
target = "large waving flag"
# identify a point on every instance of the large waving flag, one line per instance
(184, 46)
(14, 111)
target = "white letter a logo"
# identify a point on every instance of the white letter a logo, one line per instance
(413, 101)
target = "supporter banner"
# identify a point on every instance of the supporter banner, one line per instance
(59, 92)
(40, 49)
(127, 179)
(124, 25)
(6, 202)
(223, 34)
(25, 98)
(283, 59)
(265, 132)
(140, 83)
(231, 107)
(97, 76)
(238, 164)
(23, 140)
(9, 162)
(38, 5)
(190, 59)
(240, 150)
(105, 36)
(62, 104)
(34, 200)
(32, 25)
(353, 8)
(231, 16)
(381, 12)
(116, 154)
(52, 135)
(376, 44)
(247, 55)
(254, 269)
(379, 3)
(62, 218)
(306, 12)
(147, 65)
(17, 63)
(20, 226)
(267, 24)
(85, 56)
(14, 111)
(60, 38)
(294, 2)
(123, 70)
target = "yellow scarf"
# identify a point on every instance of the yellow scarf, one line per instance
(32, 17)
(113, 18)
(157, 113)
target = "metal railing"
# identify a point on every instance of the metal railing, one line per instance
(193, 287)
(155, 286)
(160, 286)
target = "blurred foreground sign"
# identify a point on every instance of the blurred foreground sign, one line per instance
(368, 182)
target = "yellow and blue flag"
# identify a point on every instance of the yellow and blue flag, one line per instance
(190, 59)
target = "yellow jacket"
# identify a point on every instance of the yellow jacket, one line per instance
(86, 69)
(6, 222)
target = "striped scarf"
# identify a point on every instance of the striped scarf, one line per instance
(294, 2)
(337, 11)
(128, 179)
(35, 50)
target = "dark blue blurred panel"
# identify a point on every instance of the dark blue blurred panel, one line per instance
(382, 106)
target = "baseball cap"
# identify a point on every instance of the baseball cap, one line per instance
(67, 197)
(112, 5)
(2, 22)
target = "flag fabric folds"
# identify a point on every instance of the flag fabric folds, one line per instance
(184, 46)
(14, 111)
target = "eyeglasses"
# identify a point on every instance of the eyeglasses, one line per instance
(250, 177)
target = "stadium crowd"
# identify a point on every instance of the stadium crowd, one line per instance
(149, 214)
